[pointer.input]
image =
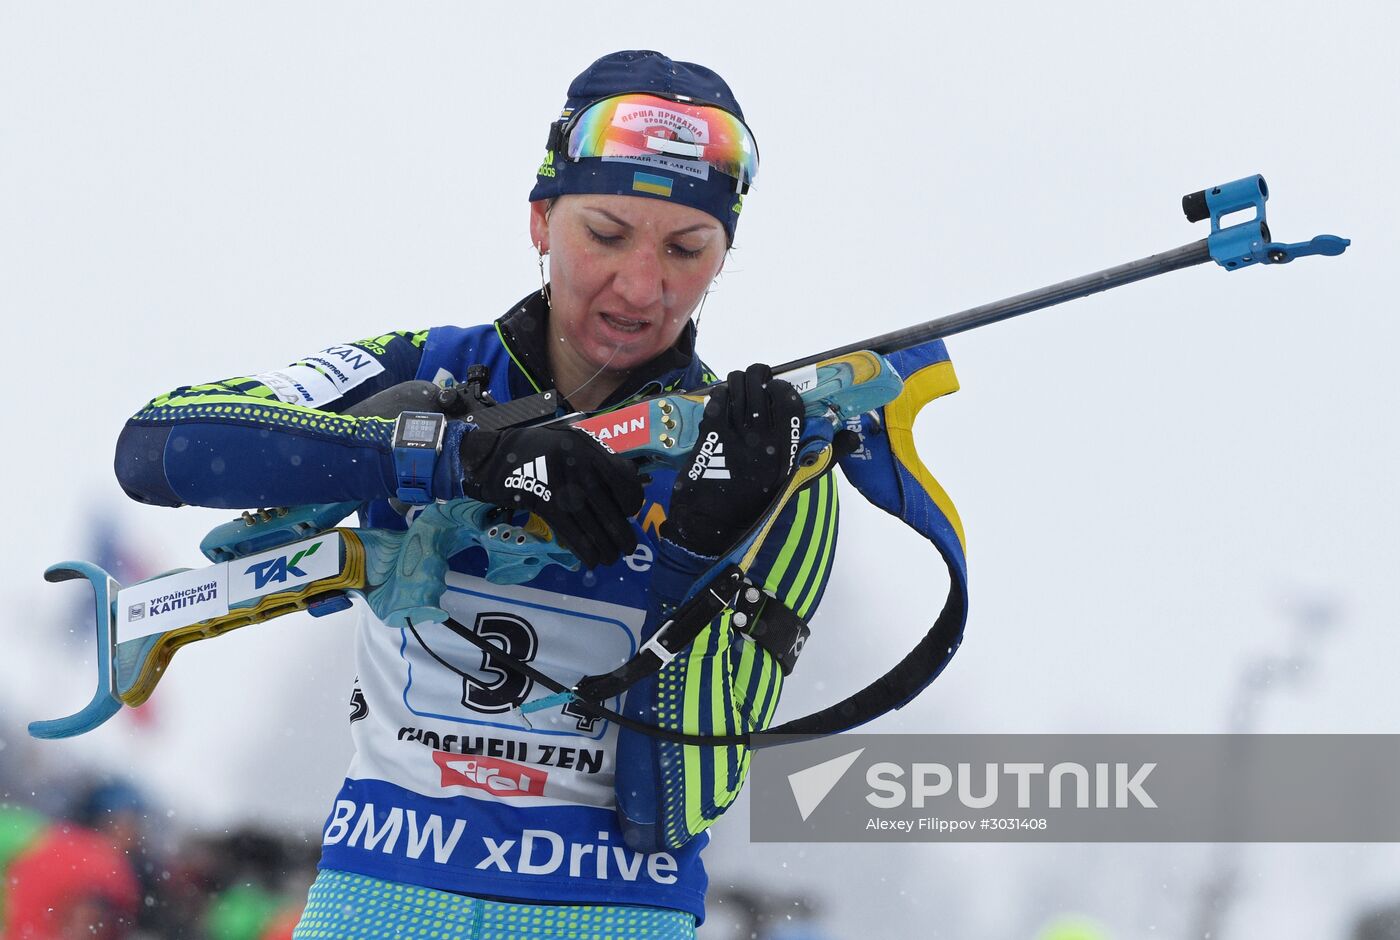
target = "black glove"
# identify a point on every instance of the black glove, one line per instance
(585, 493)
(745, 451)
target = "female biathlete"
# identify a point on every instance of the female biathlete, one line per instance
(461, 815)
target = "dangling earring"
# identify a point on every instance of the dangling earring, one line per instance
(544, 287)
(701, 309)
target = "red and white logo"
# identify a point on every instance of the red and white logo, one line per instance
(620, 430)
(495, 776)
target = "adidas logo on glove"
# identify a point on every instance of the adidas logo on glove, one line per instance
(532, 477)
(709, 460)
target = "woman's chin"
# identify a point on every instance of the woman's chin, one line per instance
(621, 361)
(618, 355)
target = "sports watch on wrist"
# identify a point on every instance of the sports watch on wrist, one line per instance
(417, 443)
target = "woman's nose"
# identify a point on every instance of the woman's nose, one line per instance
(639, 279)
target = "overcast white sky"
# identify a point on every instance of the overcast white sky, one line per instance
(1150, 479)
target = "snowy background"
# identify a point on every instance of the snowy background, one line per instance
(1157, 483)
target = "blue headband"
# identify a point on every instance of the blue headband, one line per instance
(647, 72)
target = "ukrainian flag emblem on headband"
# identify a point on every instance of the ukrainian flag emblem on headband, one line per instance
(650, 183)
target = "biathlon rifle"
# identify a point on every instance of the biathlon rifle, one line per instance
(274, 562)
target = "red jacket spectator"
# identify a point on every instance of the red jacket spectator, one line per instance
(68, 882)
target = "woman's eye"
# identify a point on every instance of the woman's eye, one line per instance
(683, 252)
(602, 239)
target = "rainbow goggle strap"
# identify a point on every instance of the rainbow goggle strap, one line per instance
(649, 125)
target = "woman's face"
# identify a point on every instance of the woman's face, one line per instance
(625, 272)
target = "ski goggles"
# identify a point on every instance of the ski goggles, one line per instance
(640, 125)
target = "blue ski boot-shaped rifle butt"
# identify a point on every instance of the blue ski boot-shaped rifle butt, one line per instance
(105, 702)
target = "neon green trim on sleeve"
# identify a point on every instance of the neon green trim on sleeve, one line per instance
(813, 544)
(826, 536)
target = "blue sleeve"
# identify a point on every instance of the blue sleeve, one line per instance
(272, 439)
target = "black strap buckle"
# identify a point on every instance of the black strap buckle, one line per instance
(775, 627)
(759, 616)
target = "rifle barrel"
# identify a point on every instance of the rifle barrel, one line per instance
(1174, 260)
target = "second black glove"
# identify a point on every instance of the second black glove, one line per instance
(746, 449)
(585, 493)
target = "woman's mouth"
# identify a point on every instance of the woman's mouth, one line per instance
(623, 324)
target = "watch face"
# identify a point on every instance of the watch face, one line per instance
(419, 430)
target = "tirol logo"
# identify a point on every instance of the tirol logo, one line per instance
(620, 430)
(709, 460)
(496, 776)
(533, 477)
(280, 568)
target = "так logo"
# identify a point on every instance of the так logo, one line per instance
(279, 568)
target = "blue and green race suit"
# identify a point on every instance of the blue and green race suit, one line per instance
(450, 787)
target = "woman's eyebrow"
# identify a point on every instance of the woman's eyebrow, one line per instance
(697, 227)
(604, 212)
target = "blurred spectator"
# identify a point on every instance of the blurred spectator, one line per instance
(1379, 924)
(117, 809)
(760, 913)
(62, 881)
(258, 884)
